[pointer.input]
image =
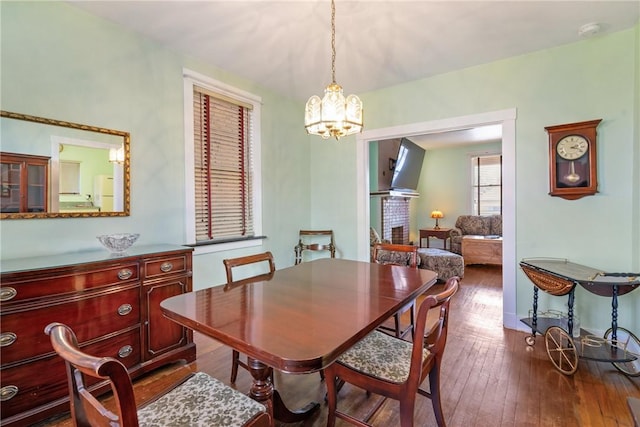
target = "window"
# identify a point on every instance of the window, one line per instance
(486, 185)
(222, 164)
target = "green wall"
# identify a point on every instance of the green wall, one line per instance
(59, 62)
(570, 83)
(62, 63)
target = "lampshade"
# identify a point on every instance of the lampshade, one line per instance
(333, 115)
(437, 214)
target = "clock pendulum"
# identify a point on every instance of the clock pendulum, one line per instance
(572, 176)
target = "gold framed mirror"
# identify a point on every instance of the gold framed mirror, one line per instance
(56, 169)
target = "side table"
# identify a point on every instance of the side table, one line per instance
(439, 233)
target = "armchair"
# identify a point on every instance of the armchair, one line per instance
(374, 238)
(474, 225)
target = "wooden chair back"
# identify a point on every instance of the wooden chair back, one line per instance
(410, 250)
(432, 331)
(86, 410)
(403, 255)
(231, 263)
(305, 245)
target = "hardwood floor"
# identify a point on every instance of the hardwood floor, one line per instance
(490, 377)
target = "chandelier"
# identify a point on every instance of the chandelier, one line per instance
(333, 115)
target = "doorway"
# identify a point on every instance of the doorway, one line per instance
(506, 118)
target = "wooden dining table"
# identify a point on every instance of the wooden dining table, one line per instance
(299, 319)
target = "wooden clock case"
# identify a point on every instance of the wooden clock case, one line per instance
(584, 168)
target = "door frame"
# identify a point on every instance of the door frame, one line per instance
(507, 119)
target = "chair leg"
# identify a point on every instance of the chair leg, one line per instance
(412, 315)
(406, 412)
(434, 388)
(331, 398)
(234, 365)
(396, 319)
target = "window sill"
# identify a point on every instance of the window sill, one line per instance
(226, 244)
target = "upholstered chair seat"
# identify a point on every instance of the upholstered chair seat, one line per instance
(381, 356)
(200, 401)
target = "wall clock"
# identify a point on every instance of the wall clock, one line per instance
(572, 159)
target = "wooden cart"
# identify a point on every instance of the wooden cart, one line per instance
(559, 277)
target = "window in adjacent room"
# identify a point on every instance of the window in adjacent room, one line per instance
(222, 163)
(486, 185)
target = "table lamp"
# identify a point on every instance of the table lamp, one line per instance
(437, 215)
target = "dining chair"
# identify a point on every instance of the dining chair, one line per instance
(197, 400)
(314, 240)
(252, 261)
(407, 363)
(404, 255)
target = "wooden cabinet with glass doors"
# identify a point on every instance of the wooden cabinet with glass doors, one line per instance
(24, 183)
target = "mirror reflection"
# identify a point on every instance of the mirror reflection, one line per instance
(51, 169)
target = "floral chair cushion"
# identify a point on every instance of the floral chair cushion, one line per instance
(200, 401)
(474, 225)
(382, 356)
(445, 263)
(496, 225)
(395, 258)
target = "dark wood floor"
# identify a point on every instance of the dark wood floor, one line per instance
(490, 377)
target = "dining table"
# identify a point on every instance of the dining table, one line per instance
(298, 319)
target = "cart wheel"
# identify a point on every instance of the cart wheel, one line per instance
(530, 340)
(561, 350)
(630, 342)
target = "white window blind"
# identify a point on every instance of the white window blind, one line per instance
(486, 186)
(223, 167)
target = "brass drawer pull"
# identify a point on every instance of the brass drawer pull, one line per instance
(166, 267)
(8, 392)
(7, 293)
(124, 274)
(125, 351)
(125, 309)
(7, 338)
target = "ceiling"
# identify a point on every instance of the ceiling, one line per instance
(285, 45)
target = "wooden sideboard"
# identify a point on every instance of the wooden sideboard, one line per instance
(112, 304)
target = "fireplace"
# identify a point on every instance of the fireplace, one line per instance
(395, 219)
(397, 235)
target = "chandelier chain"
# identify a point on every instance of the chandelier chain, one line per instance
(333, 41)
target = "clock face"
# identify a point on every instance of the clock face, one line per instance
(572, 147)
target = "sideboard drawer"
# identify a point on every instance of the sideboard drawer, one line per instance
(30, 391)
(18, 290)
(163, 266)
(89, 314)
